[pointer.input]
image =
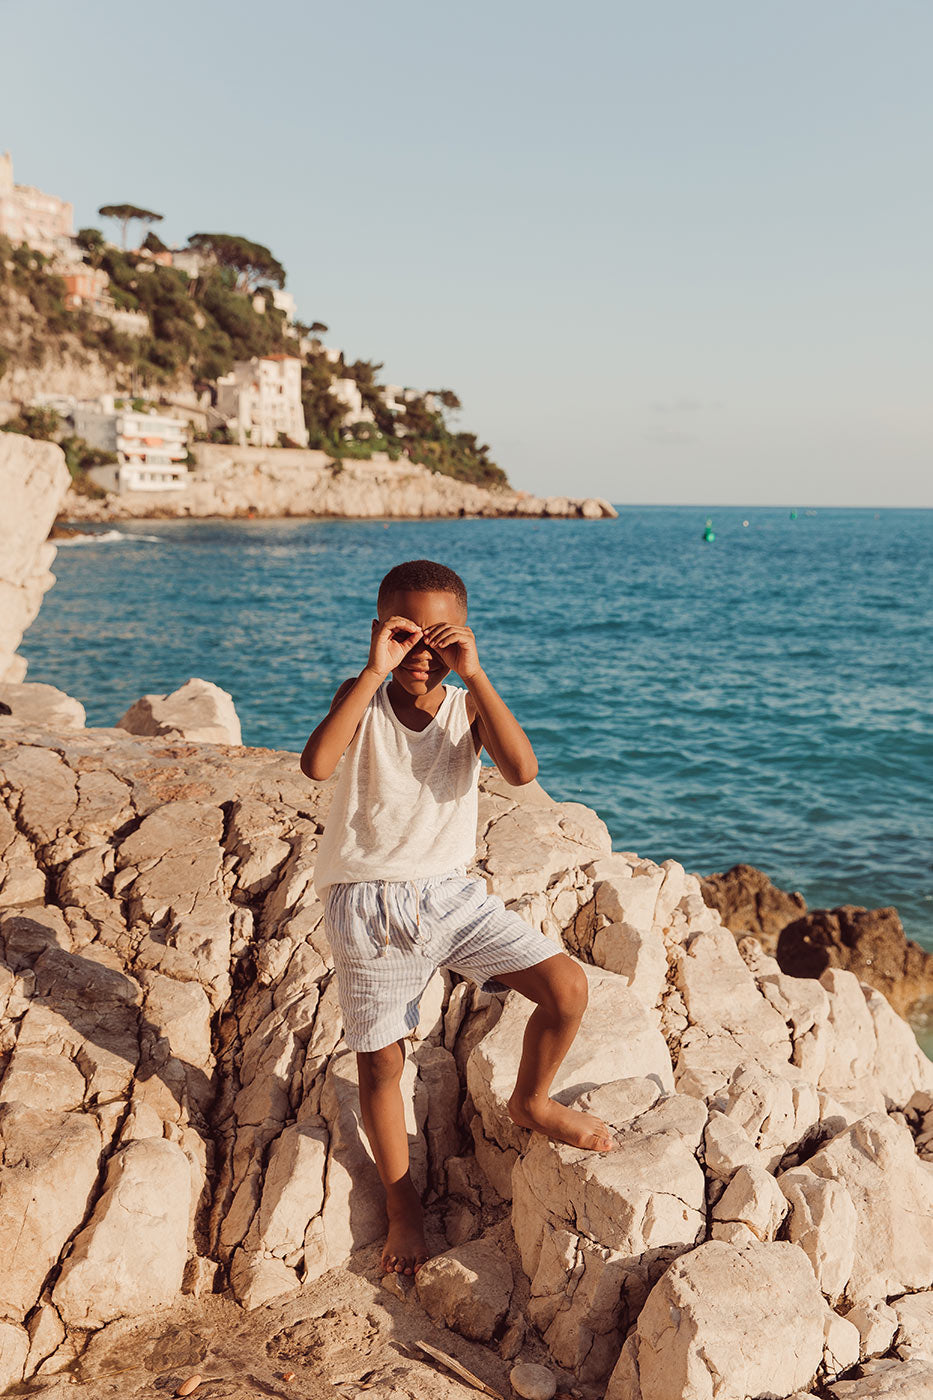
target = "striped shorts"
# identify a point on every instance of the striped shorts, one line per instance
(389, 936)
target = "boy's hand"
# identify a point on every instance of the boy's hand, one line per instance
(456, 646)
(392, 640)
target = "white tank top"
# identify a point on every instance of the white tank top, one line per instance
(405, 803)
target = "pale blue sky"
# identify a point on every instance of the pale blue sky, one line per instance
(677, 252)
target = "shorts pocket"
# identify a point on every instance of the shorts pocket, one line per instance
(354, 923)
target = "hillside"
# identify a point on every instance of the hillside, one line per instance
(198, 327)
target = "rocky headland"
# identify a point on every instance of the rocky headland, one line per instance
(181, 1131)
(267, 482)
(187, 1198)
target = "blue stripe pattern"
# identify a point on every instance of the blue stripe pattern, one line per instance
(389, 936)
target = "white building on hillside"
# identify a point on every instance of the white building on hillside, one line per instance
(27, 215)
(192, 262)
(151, 448)
(347, 393)
(261, 399)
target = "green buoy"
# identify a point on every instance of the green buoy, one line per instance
(793, 515)
(708, 533)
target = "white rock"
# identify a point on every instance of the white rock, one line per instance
(130, 1257)
(468, 1289)
(726, 1322)
(293, 1188)
(50, 1167)
(842, 1341)
(850, 1043)
(626, 898)
(33, 483)
(595, 1230)
(891, 1191)
(727, 1147)
(256, 1280)
(637, 956)
(823, 1221)
(752, 1198)
(776, 1111)
(33, 1076)
(877, 1324)
(720, 992)
(904, 1380)
(915, 1325)
(198, 711)
(673, 888)
(46, 1334)
(14, 1348)
(530, 844)
(43, 705)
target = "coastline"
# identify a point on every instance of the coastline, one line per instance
(279, 483)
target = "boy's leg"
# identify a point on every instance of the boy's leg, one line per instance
(380, 1073)
(559, 987)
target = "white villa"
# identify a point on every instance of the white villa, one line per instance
(31, 216)
(151, 448)
(261, 398)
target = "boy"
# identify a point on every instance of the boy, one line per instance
(391, 870)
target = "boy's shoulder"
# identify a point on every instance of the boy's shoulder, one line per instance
(342, 689)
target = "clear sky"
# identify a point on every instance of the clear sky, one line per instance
(665, 252)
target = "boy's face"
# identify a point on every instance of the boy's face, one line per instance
(422, 669)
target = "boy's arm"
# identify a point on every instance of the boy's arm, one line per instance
(391, 640)
(327, 743)
(498, 730)
(500, 733)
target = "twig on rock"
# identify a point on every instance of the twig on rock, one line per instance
(452, 1364)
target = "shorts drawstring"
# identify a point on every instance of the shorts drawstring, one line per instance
(385, 907)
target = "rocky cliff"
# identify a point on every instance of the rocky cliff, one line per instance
(34, 480)
(179, 1113)
(241, 481)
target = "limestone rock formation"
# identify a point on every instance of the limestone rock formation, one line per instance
(197, 710)
(468, 1288)
(179, 1110)
(236, 481)
(728, 1322)
(29, 703)
(33, 483)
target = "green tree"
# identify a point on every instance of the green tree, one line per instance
(35, 421)
(125, 215)
(251, 262)
(153, 243)
(93, 243)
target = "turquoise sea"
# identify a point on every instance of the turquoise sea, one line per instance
(766, 697)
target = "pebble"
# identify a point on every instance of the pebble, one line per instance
(533, 1382)
(288, 1375)
(189, 1386)
(399, 1285)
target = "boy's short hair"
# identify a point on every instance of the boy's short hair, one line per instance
(422, 576)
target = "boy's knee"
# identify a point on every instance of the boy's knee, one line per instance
(379, 1067)
(571, 990)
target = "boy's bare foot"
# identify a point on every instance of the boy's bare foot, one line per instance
(561, 1124)
(405, 1247)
